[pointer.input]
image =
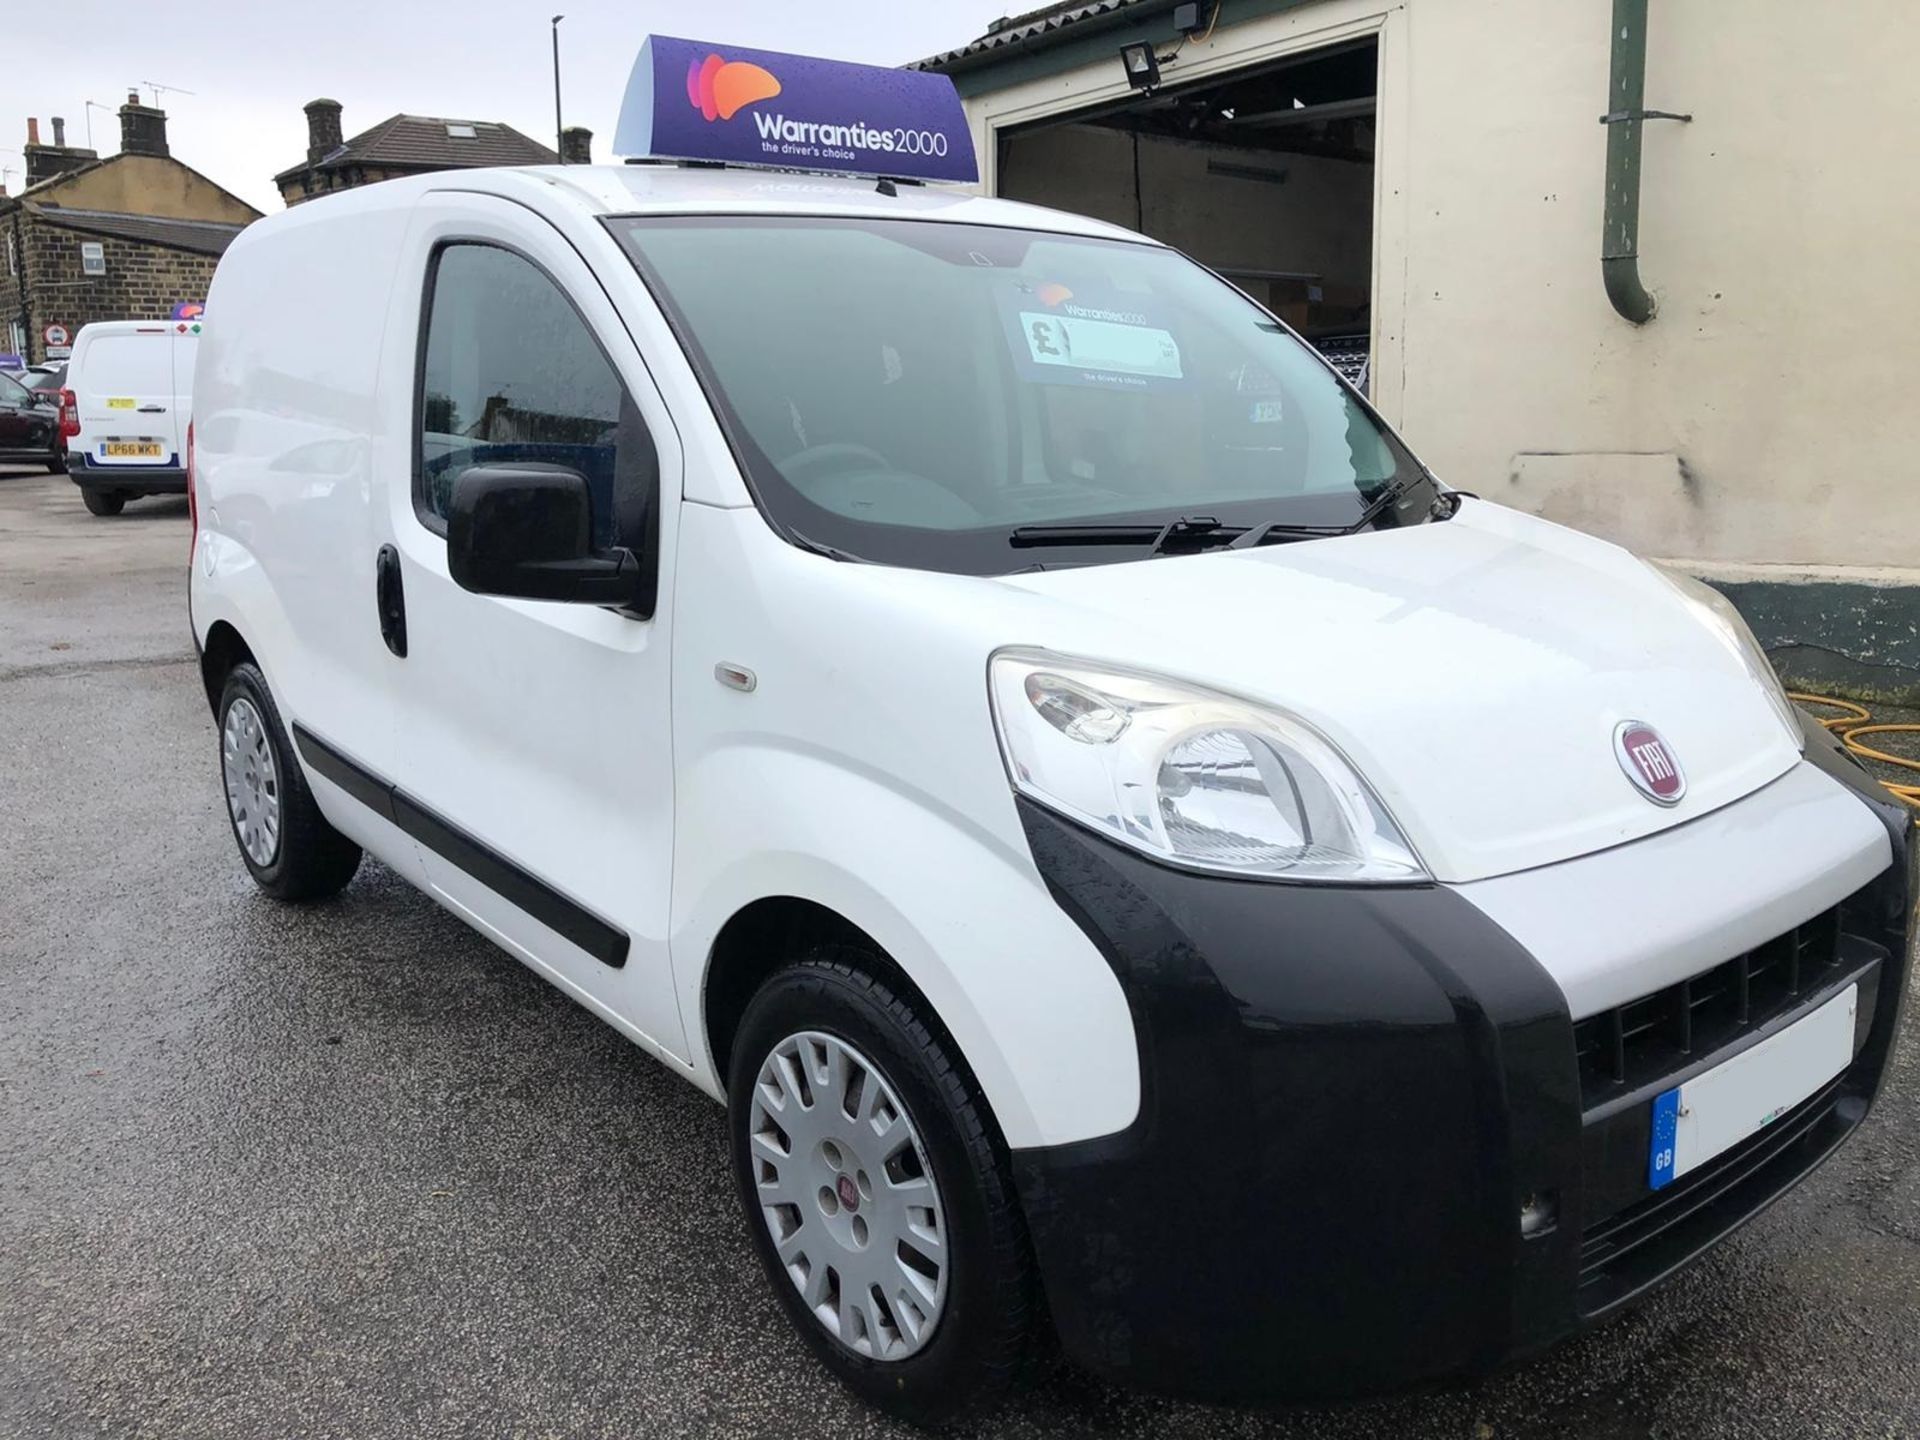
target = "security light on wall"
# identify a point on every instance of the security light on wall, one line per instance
(1142, 65)
(93, 258)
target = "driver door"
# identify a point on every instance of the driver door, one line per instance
(534, 741)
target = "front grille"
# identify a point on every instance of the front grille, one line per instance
(1626, 1251)
(1634, 1044)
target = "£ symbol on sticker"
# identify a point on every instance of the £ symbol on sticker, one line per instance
(1043, 338)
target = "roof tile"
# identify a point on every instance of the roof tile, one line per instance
(204, 237)
(422, 142)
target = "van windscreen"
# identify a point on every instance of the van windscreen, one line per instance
(936, 395)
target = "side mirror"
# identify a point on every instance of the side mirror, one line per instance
(526, 531)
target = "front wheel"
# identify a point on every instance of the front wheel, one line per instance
(879, 1205)
(103, 502)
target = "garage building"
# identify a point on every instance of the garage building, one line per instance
(1422, 189)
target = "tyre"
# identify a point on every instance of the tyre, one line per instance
(103, 502)
(879, 1205)
(293, 852)
(56, 465)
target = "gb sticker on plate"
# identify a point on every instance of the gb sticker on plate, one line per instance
(1666, 1131)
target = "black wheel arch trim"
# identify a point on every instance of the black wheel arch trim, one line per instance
(513, 883)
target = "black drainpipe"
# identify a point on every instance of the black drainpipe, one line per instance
(20, 279)
(1626, 99)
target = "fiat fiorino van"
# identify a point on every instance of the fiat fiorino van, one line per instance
(1142, 861)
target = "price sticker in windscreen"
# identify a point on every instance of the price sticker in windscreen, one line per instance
(1101, 346)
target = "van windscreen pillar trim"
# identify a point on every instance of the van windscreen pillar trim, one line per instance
(565, 917)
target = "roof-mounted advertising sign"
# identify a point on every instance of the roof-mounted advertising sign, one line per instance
(687, 100)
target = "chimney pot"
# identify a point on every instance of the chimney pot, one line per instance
(576, 145)
(323, 129)
(133, 97)
(143, 128)
(46, 161)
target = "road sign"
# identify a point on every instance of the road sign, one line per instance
(55, 335)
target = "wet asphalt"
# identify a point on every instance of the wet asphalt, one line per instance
(347, 1170)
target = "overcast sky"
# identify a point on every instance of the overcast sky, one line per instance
(251, 66)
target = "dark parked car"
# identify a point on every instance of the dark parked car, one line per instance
(30, 426)
(41, 379)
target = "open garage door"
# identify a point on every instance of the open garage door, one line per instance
(1265, 174)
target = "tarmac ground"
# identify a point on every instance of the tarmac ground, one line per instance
(348, 1170)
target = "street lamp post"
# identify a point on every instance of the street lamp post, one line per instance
(559, 139)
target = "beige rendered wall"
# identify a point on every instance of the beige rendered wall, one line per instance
(148, 185)
(1765, 415)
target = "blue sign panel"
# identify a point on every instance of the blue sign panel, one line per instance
(687, 100)
(1666, 1130)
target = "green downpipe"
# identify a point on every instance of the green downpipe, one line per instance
(1626, 95)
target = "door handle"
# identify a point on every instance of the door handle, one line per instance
(390, 599)
(153, 409)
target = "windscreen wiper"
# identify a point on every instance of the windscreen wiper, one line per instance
(1031, 535)
(1202, 529)
(1276, 530)
(1379, 505)
(1155, 537)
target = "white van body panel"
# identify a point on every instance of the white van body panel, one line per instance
(865, 769)
(579, 786)
(1472, 671)
(283, 451)
(132, 382)
(1633, 920)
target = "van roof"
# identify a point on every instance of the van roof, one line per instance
(95, 328)
(668, 189)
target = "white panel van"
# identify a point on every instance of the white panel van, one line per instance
(1137, 855)
(127, 407)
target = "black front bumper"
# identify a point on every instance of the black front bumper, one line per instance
(1348, 1095)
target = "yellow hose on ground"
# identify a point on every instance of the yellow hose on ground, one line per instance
(1855, 721)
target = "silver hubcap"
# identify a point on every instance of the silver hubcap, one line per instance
(848, 1196)
(253, 785)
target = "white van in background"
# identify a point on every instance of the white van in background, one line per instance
(126, 408)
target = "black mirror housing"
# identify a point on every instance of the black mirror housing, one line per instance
(526, 531)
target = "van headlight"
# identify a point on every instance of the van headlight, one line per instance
(1719, 616)
(1190, 776)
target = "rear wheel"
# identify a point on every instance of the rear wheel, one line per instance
(879, 1206)
(291, 850)
(56, 465)
(103, 502)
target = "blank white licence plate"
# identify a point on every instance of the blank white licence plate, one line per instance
(1694, 1122)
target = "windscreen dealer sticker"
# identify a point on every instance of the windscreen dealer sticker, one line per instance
(1060, 336)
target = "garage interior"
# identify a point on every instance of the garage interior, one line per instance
(1266, 175)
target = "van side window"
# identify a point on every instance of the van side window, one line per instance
(511, 375)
